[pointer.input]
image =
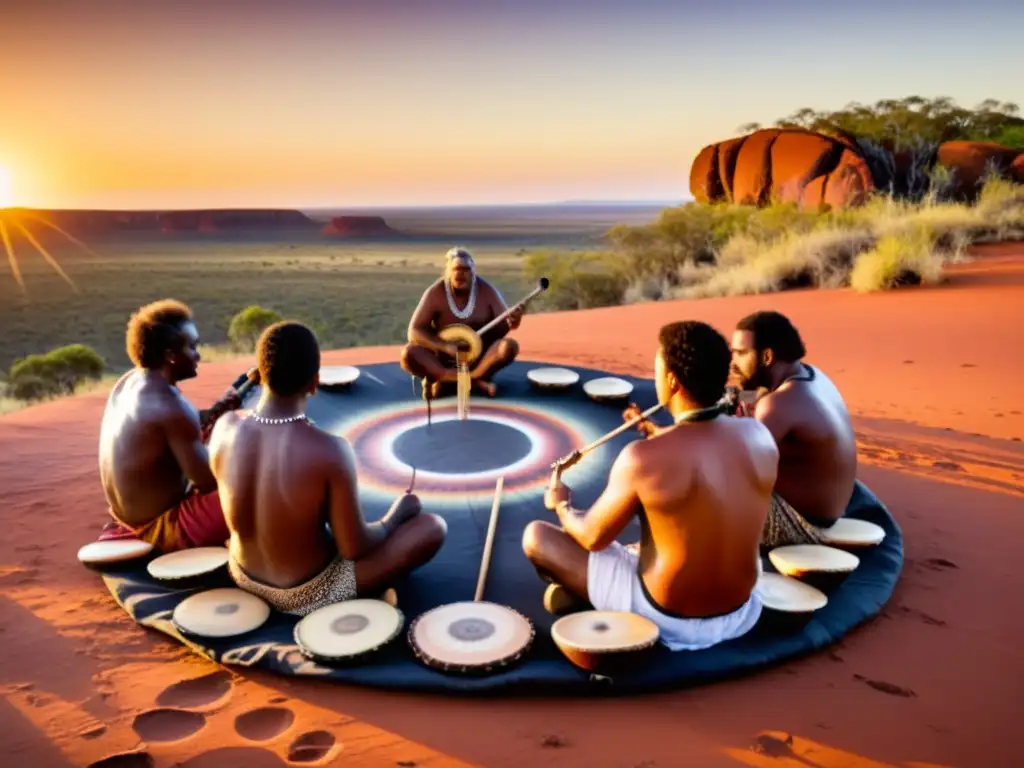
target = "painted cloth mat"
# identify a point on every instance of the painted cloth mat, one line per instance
(517, 435)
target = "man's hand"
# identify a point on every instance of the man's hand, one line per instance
(515, 317)
(644, 427)
(405, 508)
(553, 496)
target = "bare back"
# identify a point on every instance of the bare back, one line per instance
(817, 446)
(273, 481)
(142, 472)
(706, 489)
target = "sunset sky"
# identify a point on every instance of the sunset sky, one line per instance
(195, 104)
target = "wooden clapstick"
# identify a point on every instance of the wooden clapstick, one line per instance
(492, 527)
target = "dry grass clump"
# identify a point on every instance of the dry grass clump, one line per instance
(700, 251)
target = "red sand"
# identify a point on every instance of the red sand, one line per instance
(932, 377)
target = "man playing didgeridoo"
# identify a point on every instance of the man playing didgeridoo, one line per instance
(283, 481)
(459, 296)
(701, 489)
(153, 463)
(806, 415)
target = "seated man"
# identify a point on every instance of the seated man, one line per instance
(283, 480)
(805, 413)
(459, 296)
(153, 463)
(701, 489)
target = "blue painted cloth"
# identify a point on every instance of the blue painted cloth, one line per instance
(375, 413)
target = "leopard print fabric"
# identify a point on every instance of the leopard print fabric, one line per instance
(334, 584)
(785, 526)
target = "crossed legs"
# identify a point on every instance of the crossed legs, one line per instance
(559, 560)
(410, 546)
(423, 363)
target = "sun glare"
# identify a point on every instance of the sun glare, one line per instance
(6, 188)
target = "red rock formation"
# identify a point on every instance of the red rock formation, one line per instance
(359, 226)
(704, 183)
(752, 177)
(1017, 169)
(787, 165)
(813, 169)
(971, 160)
(173, 222)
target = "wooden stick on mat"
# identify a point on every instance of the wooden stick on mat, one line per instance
(489, 543)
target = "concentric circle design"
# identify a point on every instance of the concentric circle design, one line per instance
(459, 460)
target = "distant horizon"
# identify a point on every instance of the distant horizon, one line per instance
(639, 202)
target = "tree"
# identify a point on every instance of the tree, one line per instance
(900, 123)
(246, 327)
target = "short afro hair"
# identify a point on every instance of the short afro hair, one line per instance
(288, 355)
(700, 358)
(774, 331)
(153, 330)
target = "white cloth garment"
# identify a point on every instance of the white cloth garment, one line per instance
(613, 584)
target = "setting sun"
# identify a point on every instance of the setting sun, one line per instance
(6, 188)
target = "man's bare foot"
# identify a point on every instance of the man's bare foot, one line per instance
(489, 388)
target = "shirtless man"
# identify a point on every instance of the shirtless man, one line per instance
(153, 463)
(283, 481)
(806, 415)
(701, 489)
(459, 296)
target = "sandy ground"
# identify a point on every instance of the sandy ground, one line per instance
(933, 378)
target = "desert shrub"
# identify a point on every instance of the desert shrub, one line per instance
(579, 279)
(908, 258)
(58, 372)
(697, 250)
(245, 327)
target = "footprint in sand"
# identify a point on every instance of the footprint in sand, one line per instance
(264, 724)
(250, 757)
(125, 760)
(311, 747)
(884, 687)
(198, 692)
(161, 725)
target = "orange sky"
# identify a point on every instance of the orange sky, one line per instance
(108, 104)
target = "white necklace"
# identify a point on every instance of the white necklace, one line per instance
(462, 314)
(285, 420)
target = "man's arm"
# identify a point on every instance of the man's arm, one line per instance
(421, 331)
(496, 304)
(602, 523)
(185, 439)
(354, 537)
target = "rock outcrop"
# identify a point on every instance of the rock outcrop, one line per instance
(781, 164)
(177, 222)
(359, 226)
(813, 169)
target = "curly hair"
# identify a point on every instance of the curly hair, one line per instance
(288, 355)
(699, 356)
(153, 330)
(774, 331)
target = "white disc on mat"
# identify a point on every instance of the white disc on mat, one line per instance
(113, 551)
(607, 388)
(553, 378)
(223, 612)
(850, 532)
(187, 563)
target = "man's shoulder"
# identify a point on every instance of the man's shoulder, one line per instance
(435, 289)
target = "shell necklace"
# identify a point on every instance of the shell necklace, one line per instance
(462, 314)
(285, 420)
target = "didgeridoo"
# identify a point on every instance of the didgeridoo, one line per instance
(241, 385)
(569, 460)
